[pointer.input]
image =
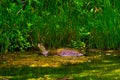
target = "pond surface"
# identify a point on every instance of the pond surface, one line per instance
(31, 66)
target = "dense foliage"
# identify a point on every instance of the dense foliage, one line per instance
(59, 23)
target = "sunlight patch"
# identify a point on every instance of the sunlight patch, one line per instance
(106, 61)
(33, 65)
(46, 77)
(8, 77)
(116, 71)
(45, 65)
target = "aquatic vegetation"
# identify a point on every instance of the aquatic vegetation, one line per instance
(30, 66)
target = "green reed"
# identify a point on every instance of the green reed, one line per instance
(58, 22)
(106, 27)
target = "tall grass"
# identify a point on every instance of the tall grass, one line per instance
(106, 26)
(58, 22)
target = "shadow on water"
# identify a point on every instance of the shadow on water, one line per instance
(103, 68)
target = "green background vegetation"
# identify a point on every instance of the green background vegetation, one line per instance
(59, 23)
